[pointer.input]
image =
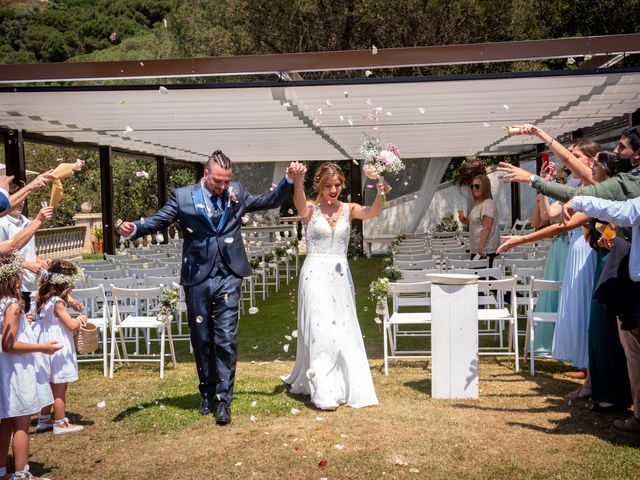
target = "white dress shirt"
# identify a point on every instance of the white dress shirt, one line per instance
(9, 228)
(622, 213)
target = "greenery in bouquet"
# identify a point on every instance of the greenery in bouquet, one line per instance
(254, 262)
(379, 290)
(269, 257)
(392, 273)
(169, 300)
(448, 223)
(281, 252)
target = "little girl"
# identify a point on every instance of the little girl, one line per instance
(57, 325)
(24, 388)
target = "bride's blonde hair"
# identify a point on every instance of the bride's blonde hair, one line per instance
(324, 173)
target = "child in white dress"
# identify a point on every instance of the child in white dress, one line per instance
(24, 387)
(56, 324)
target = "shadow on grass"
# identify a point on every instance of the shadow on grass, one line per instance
(37, 469)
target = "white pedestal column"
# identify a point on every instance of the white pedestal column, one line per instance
(454, 336)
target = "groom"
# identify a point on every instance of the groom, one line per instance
(213, 265)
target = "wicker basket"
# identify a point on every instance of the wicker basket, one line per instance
(86, 338)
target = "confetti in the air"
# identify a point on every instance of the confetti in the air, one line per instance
(368, 73)
(228, 240)
(350, 120)
(316, 123)
(571, 60)
(345, 93)
(421, 110)
(374, 50)
(368, 101)
(164, 22)
(486, 124)
(113, 37)
(355, 162)
(505, 106)
(369, 185)
(142, 174)
(163, 91)
(341, 117)
(127, 129)
(319, 111)
(389, 114)
(329, 103)
(286, 104)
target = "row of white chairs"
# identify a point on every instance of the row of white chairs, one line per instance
(411, 308)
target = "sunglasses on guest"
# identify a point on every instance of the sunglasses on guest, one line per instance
(475, 186)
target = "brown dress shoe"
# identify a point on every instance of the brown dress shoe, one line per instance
(576, 375)
(631, 425)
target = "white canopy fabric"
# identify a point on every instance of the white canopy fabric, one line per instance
(425, 117)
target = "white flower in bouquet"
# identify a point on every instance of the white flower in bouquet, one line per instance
(380, 160)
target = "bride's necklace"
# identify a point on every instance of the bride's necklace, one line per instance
(328, 211)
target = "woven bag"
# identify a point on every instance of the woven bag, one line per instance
(86, 339)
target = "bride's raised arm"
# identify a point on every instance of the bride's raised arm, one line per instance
(296, 172)
(363, 213)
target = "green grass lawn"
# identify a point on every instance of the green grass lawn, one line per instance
(520, 427)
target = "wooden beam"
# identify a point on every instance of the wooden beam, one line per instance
(326, 61)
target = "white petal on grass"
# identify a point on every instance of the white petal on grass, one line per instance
(377, 320)
(101, 404)
(294, 334)
(295, 411)
(343, 435)
(252, 418)
(238, 464)
(163, 91)
(319, 419)
(414, 470)
(339, 446)
(374, 50)
(285, 347)
(253, 310)
(401, 462)
(288, 337)
(254, 403)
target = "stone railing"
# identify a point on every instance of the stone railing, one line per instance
(60, 242)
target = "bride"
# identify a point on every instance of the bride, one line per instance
(331, 362)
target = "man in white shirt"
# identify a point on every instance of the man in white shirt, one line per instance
(10, 225)
(624, 214)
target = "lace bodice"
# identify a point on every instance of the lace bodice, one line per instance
(322, 239)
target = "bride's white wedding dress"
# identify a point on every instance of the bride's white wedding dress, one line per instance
(331, 362)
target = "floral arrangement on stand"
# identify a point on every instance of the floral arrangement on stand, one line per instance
(392, 273)
(168, 302)
(379, 290)
(281, 251)
(380, 160)
(448, 223)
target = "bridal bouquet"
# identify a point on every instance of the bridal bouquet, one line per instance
(380, 160)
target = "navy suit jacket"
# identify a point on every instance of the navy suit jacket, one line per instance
(203, 246)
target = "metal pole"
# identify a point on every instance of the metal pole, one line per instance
(355, 175)
(106, 188)
(161, 165)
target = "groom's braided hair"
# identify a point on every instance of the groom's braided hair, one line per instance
(219, 159)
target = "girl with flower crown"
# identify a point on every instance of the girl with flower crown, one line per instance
(24, 388)
(57, 325)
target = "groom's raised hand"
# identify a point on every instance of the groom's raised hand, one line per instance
(296, 171)
(126, 229)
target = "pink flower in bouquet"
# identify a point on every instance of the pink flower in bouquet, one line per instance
(393, 148)
(370, 172)
(387, 157)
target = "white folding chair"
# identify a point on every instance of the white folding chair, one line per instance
(97, 310)
(533, 318)
(414, 296)
(143, 301)
(454, 264)
(416, 265)
(500, 314)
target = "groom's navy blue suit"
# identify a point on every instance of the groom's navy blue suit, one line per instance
(213, 265)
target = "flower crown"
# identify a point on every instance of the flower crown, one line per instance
(12, 268)
(62, 279)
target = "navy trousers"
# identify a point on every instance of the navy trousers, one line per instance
(212, 310)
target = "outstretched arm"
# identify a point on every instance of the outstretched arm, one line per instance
(24, 235)
(363, 213)
(568, 159)
(623, 213)
(159, 220)
(296, 172)
(510, 241)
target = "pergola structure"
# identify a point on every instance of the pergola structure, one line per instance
(286, 120)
